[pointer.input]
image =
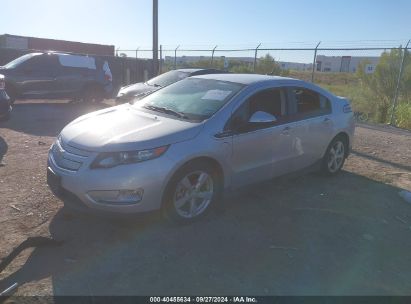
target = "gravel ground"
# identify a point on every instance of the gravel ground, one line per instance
(305, 235)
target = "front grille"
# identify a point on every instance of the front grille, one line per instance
(68, 157)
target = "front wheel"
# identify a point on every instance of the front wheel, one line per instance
(191, 193)
(335, 156)
(11, 92)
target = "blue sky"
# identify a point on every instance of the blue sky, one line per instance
(204, 23)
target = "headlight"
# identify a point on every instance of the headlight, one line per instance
(2, 82)
(109, 160)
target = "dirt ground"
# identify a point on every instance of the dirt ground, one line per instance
(306, 235)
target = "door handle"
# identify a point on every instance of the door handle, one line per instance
(224, 134)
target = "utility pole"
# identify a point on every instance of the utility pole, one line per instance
(155, 37)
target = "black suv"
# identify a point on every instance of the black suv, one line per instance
(58, 75)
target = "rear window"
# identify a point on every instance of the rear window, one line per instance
(310, 103)
(74, 61)
(168, 78)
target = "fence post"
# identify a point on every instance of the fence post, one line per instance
(161, 60)
(136, 74)
(137, 52)
(397, 89)
(175, 57)
(212, 56)
(255, 57)
(315, 57)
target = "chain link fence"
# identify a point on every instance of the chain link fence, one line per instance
(374, 75)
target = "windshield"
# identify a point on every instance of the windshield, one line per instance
(168, 78)
(16, 62)
(194, 98)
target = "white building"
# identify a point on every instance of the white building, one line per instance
(296, 66)
(192, 59)
(335, 64)
(347, 64)
(184, 60)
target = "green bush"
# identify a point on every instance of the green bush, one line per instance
(403, 115)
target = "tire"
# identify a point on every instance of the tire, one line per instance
(335, 156)
(5, 117)
(192, 192)
(92, 94)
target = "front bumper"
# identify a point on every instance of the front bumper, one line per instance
(5, 107)
(124, 98)
(75, 186)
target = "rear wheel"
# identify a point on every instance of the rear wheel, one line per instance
(191, 192)
(335, 156)
(93, 94)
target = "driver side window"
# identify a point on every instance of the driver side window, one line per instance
(271, 101)
(40, 63)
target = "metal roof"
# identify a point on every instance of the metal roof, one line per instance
(243, 78)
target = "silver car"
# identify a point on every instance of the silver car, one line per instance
(179, 148)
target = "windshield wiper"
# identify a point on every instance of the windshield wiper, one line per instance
(166, 110)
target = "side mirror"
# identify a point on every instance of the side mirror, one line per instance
(262, 117)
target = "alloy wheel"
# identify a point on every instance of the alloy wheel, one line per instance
(193, 194)
(336, 156)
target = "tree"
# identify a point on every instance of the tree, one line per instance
(267, 65)
(383, 82)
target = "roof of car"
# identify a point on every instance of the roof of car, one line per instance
(190, 70)
(242, 78)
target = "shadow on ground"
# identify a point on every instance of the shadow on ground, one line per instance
(300, 236)
(381, 160)
(47, 119)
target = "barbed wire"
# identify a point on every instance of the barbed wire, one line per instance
(368, 44)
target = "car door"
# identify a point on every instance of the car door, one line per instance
(38, 76)
(260, 151)
(311, 125)
(74, 73)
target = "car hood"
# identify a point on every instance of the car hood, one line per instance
(124, 128)
(135, 89)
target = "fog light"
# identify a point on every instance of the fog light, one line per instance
(126, 197)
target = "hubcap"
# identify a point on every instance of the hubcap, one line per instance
(193, 194)
(335, 157)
